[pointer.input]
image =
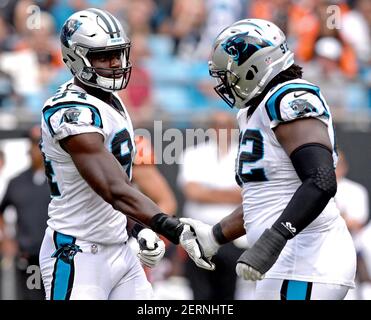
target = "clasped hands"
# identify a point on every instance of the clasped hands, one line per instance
(198, 241)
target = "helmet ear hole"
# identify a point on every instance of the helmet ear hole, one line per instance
(249, 75)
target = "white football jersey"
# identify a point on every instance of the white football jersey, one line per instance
(75, 209)
(322, 252)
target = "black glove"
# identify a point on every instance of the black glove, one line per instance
(256, 261)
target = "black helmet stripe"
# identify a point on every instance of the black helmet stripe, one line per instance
(115, 23)
(99, 13)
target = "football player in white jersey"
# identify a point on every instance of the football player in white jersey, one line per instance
(300, 247)
(88, 146)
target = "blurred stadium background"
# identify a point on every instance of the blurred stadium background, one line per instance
(171, 41)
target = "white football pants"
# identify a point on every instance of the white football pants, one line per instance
(277, 289)
(81, 270)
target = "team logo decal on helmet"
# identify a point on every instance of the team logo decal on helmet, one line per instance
(237, 47)
(68, 30)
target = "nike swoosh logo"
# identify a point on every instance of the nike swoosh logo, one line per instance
(299, 95)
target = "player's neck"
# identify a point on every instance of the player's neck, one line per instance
(96, 92)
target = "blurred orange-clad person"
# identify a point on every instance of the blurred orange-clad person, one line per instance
(149, 179)
(309, 21)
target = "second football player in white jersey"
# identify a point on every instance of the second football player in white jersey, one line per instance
(300, 247)
(88, 145)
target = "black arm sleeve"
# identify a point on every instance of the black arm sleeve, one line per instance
(313, 163)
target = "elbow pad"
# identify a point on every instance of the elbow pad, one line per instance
(314, 161)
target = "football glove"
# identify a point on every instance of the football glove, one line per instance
(178, 232)
(190, 243)
(204, 234)
(151, 248)
(256, 261)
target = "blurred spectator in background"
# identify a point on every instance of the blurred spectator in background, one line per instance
(149, 179)
(3, 184)
(276, 11)
(206, 177)
(219, 15)
(42, 46)
(357, 30)
(352, 200)
(333, 61)
(138, 94)
(188, 20)
(34, 61)
(161, 20)
(138, 16)
(311, 21)
(29, 194)
(8, 97)
(356, 26)
(324, 71)
(5, 34)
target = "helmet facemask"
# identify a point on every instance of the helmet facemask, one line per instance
(107, 79)
(225, 87)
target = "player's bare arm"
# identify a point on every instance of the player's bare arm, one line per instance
(103, 173)
(231, 227)
(293, 134)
